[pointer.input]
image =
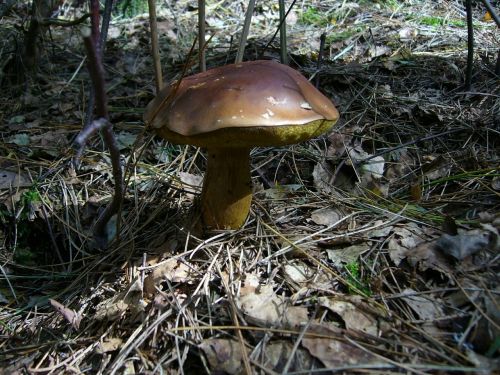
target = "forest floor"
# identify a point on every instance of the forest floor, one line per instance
(372, 249)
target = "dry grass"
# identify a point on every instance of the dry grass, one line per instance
(361, 289)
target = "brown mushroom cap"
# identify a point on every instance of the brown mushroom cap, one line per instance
(257, 103)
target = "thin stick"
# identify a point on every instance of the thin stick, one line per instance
(108, 7)
(244, 34)
(279, 27)
(470, 46)
(201, 35)
(154, 45)
(283, 48)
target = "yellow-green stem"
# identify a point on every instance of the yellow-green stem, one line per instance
(227, 188)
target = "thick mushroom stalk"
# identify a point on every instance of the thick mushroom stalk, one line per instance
(227, 188)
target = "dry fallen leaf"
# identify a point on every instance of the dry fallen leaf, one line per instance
(381, 230)
(353, 317)
(268, 309)
(276, 354)
(407, 33)
(436, 167)
(425, 256)
(20, 139)
(377, 51)
(427, 308)
(333, 352)
(495, 183)
(433, 254)
(281, 191)
(118, 305)
(404, 239)
(125, 140)
(321, 178)
(463, 245)
(487, 17)
(11, 179)
(346, 255)
(111, 309)
(369, 165)
(326, 216)
(223, 355)
(109, 344)
(51, 142)
(171, 270)
(265, 308)
(307, 279)
(298, 273)
(70, 315)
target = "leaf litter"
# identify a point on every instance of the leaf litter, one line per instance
(346, 262)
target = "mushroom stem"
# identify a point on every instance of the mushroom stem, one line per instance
(227, 188)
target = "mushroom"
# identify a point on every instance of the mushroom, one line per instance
(230, 109)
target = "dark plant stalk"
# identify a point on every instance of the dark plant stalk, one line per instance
(201, 35)
(94, 20)
(283, 47)
(32, 43)
(96, 71)
(99, 37)
(103, 125)
(106, 18)
(154, 45)
(321, 51)
(279, 28)
(244, 33)
(470, 46)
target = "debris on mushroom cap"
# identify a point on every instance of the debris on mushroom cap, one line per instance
(256, 94)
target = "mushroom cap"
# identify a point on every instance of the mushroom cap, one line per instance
(257, 103)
